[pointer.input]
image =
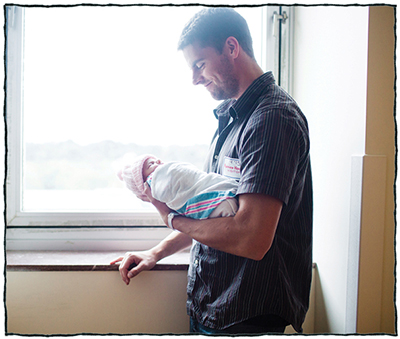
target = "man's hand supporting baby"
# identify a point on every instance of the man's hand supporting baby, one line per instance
(162, 208)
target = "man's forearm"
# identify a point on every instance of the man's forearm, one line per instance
(211, 232)
(173, 243)
(249, 233)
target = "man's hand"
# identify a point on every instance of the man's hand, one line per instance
(162, 208)
(133, 263)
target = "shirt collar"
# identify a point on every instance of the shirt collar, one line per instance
(246, 102)
(223, 108)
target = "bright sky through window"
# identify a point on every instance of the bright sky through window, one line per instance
(96, 73)
(105, 77)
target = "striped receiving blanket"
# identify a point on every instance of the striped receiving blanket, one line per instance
(189, 191)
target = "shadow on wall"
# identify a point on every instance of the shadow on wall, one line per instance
(310, 320)
(321, 324)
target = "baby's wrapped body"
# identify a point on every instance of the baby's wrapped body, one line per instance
(193, 193)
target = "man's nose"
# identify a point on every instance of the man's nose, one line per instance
(197, 78)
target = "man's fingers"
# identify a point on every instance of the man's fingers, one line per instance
(132, 263)
(135, 270)
(147, 191)
(116, 260)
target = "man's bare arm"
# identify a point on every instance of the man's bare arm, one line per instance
(132, 263)
(249, 233)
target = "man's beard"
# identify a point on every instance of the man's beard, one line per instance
(230, 85)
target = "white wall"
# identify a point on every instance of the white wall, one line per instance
(99, 302)
(343, 80)
(330, 73)
(96, 302)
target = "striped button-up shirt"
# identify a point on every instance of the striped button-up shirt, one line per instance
(263, 142)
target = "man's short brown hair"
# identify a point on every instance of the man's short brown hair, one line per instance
(212, 26)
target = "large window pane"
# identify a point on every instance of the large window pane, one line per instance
(102, 85)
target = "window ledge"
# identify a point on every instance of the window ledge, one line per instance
(47, 261)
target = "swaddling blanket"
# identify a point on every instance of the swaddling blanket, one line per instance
(189, 191)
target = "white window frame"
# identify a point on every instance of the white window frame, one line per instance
(92, 230)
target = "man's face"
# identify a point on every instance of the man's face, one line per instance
(213, 70)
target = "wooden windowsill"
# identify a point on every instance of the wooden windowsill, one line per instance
(82, 261)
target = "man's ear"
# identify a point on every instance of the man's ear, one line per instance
(232, 46)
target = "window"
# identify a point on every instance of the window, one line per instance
(89, 87)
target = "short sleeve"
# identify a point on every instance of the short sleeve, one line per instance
(269, 153)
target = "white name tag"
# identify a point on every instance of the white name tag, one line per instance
(231, 168)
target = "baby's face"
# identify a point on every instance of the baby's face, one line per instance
(150, 166)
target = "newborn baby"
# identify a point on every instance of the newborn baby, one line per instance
(182, 187)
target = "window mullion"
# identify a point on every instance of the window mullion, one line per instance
(270, 48)
(14, 108)
(286, 47)
(278, 43)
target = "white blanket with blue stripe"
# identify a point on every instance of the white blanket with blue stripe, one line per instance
(189, 191)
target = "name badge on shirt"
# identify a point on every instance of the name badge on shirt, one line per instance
(231, 168)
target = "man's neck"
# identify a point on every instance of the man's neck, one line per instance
(248, 72)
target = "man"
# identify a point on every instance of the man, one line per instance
(250, 273)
